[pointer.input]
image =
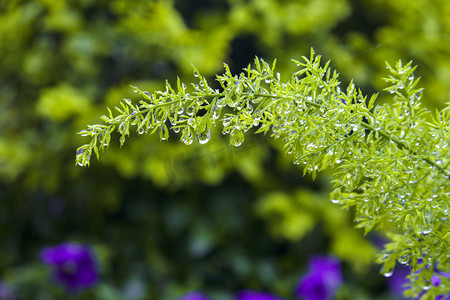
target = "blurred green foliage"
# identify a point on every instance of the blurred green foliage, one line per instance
(164, 217)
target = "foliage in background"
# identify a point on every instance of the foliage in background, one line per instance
(79, 56)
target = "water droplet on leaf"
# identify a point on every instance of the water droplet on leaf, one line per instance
(83, 133)
(190, 111)
(203, 137)
(388, 274)
(403, 259)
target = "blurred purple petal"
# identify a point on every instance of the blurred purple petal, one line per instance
(255, 295)
(194, 296)
(322, 280)
(325, 264)
(397, 282)
(6, 293)
(435, 280)
(74, 265)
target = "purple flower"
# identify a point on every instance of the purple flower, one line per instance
(254, 295)
(74, 265)
(398, 282)
(6, 293)
(322, 280)
(194, 296)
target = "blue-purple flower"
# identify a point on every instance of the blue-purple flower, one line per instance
(436, 281)
(398, 282)
(74, 265)
(255, 295)
(322, 280)
(194, 296)
(6, 293)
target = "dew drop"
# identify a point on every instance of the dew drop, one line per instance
(203, 137)
(226, 121)
(187, 140)
(216, 115)
(388, 274)
(220, 102)
(237, 138)
(84, 133)
(190, 111)
(237, 143)
(425, 231)
(403, 259)
(233, 103)
(419, 95)
(162, 133)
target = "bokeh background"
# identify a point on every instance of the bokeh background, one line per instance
(165, 218)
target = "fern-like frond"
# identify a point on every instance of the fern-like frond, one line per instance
(390, 162)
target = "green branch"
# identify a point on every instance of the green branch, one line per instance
(389, 162)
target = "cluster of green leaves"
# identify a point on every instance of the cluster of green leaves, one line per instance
(390, 161)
